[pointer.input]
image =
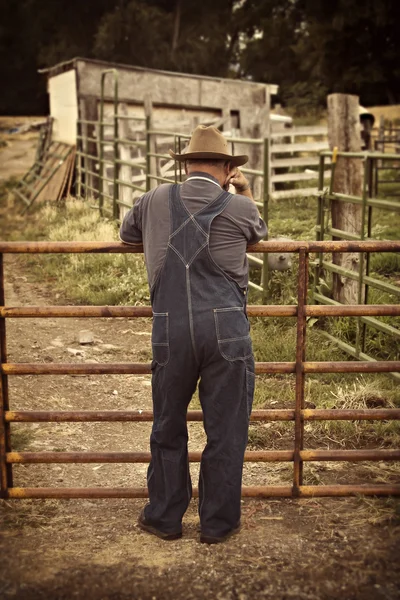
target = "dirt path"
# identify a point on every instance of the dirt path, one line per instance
(306, 549)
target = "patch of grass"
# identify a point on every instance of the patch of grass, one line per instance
(329, 391)
(275, 340)
(385, 224)
(92, 278)
(378, 344)
(360, 393)
(294, 217)
(6, 187)
(385, 263)
(21, 438)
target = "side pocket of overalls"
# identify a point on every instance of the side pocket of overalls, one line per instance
(160, 338)
(250, 387)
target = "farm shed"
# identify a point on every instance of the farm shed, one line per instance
(74, 89)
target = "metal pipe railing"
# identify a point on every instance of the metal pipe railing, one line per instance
(300, 367)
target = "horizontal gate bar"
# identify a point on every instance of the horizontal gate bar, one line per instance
(368, 414)
(351, 367)
(75, 311)
(129, 415)
(131, 457)
(250, 456)
(146, 311)
(376, 310)
(119, 247)
(304, 491)
(145, 368)
(349, 455)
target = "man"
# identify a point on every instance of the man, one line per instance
(195, 236)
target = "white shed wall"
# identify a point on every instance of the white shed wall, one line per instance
(64, 106)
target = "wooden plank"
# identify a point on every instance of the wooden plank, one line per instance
(284, 177)
(57, 181)
(294, 193)
(296, 131)
(71, 174)
(67, 172)
(301, 147)
(298, 161)
(54, 187)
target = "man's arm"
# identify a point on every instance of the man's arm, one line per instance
(256, 229)
(131, 228)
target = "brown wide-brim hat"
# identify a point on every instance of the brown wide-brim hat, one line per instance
(209, 143)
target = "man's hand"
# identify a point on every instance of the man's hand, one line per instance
(239, 181)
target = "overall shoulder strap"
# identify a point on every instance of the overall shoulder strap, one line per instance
(177, 211)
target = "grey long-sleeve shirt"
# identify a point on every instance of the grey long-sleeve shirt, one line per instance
(148, 222)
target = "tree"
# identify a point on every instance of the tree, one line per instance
(312, 47)
(352, 47)
(32, 36)
(308, 47)
(190, 36)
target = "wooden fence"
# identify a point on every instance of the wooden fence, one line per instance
(293, 159)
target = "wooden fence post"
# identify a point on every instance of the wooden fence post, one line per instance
(344, 133)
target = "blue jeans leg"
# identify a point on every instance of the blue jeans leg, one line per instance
(226, 394)
(168, 478)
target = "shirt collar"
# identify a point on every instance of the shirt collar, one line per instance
(203, 176)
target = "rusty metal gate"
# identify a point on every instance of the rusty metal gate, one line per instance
(300, 367)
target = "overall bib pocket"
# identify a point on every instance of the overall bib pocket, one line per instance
(160, 338)
(232, 328)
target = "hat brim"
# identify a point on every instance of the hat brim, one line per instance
(237, 161)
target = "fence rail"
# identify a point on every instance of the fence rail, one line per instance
(362, 274)
(298, 455)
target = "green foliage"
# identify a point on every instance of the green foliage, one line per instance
(123, 35)
(178, 35)
(308, 48)
(386, 263)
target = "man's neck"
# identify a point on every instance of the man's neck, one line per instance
(211, 174)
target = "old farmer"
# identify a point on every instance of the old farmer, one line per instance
(195, 236)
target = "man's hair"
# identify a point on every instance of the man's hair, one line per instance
(211, 162)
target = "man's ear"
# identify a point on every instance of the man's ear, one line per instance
(185, 167)
(227, 167)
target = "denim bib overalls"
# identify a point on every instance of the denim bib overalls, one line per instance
(200, 331)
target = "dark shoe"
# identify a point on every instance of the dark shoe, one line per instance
(212, 539)
(147, 526)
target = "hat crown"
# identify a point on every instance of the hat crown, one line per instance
(207, 139)
(208, 143)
